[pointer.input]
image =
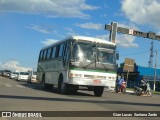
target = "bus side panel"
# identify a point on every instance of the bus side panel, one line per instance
(53, 70)
(39, 72)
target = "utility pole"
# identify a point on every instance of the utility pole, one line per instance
(113, 28)
(155, 74)
(150, 63)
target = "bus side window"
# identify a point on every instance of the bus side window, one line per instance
(53, 53)
(61, 50)
(66, 53)
(65, 47)
(40, 56)
(49, 53)
(57, 51)
(44, 54)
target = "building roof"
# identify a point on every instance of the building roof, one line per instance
(146, 71)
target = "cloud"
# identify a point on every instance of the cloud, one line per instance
(52, 8)
(90, 25)
(48, 42)
(142, 11)
(125, 41)
(104, 37)
(14, 66)
(70, 32)
(128, 25)
(42, 29)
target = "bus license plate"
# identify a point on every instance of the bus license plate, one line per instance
(97, 82)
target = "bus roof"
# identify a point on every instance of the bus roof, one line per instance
(92, 39)
(85, 38)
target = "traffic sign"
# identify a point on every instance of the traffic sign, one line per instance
(128, 65)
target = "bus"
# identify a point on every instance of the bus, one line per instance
(77, 62)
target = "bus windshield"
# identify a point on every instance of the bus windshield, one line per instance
(106, 55)
(91, 52)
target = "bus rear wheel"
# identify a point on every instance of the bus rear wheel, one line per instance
(98, 91)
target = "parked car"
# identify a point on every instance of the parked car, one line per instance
(22, 76)
(0, 72)
(13, 75)
(6, 73)
(32, 77)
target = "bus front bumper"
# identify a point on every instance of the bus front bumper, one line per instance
(91, 82)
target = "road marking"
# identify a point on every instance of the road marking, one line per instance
(8, 85)
(20, 86)
(3, 118)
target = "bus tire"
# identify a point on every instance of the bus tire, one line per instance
(98, 91)
(73, 89)
(43, 83)
(62, 87)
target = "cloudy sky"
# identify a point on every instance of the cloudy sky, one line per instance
(29, 25)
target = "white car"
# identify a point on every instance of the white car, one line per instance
(32, 77)
(13, 75)
(23, 76)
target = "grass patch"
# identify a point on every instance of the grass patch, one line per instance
(156, 92)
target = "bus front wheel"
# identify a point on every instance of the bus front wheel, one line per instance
(98, 91)
(63, 88)
(45, 85)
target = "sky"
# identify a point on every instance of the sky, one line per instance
(29, 25)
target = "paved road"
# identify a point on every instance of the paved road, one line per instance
(20, 96)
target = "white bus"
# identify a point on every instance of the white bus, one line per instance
(78, 61)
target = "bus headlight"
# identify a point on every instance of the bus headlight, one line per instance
(74, 75)
(111, 78)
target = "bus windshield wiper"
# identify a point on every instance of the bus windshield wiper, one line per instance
(104, 66)
(89, 64)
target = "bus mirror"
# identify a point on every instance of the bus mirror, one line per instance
(117, 56)
(117, 66)
(72, 60)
